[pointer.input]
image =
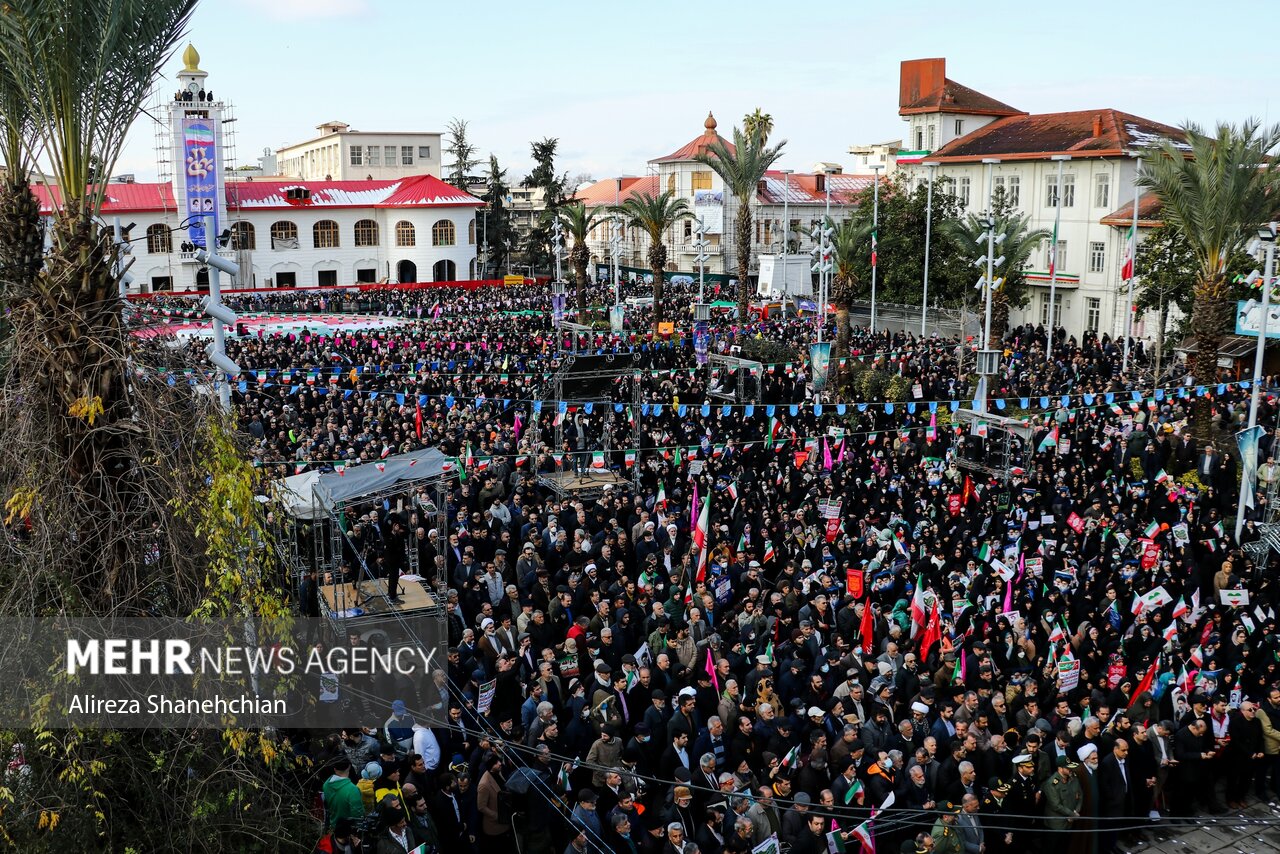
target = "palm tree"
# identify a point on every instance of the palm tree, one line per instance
(850, 245)
(577, 220)
(655, 215)
(966, 235)
(741, 166)
(758, 124)
(1217, 190)
(85, 67)
(21, 242)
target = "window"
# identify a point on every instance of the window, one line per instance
(159, 241)
(1092, 313)
(161, 283)
(424, 152)
(366, 233)
(959, 127)
(962, 191)
(1014, 190)
(404, 234)
(389, 155)
(357, 155)
(324, 234)
(286, 280)
(702, 180)
(326, 278)
(243, 236)
(284, 235)
(1057, 309)
(1068, 191)
(1102, 191)
(366, 275)
(442, 233)
(932, 136)
(919, 139)
(471, 232)
(406, 155)
(375, 155)
(688, 230)
(671, 183)
(1097, 257)
(1060, 260)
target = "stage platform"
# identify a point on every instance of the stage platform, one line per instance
(372, 598)
(589, 483)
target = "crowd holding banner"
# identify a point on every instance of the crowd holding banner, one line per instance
(799, 620)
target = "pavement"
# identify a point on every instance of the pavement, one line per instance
(1248, 831)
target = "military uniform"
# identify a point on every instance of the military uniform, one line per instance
(1063, 800)
(946, 840)
(1024, 807)
(994, 821)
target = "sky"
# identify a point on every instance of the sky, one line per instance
(621, 83)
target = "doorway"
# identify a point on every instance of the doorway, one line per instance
(406, 271)
(444, 271)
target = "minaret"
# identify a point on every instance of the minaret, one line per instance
(195, 125)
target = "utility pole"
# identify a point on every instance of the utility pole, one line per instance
(928, 231)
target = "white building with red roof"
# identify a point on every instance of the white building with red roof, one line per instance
(957, 128)
(282, 233)
(699, 185)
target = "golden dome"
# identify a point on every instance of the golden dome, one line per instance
(710, 123)
(191, 58)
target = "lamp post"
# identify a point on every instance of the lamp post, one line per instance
(988, 358)
(875, 225)
(1053, 268)
(701, 258)
(786, 229)
(217, 350)
(557, 241)
(1267, 235)
(615, 247)
(928, 231)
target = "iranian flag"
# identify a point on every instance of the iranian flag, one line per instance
(1180, 608)
(629, 458)
(769, 553)
(700, 537)
(661, 500)
(1053, 250)
(597, 460)
(340, 468)
(854, 793)
(873, 248)
(1126, 268)
(918, 614)
(1049, 441)
(1151, 530)
(863, 834)
(792, 757)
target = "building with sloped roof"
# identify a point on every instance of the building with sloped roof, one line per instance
(956, 128)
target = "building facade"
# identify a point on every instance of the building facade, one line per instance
(282, 233)
(342, 154)
(681, 174)
(959, 128)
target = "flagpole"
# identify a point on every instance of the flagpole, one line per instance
(1053, 268)
(875, 225)
(928, 226)
(1133, 261)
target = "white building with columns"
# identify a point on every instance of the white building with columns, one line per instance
(282, 233)
(959, 128)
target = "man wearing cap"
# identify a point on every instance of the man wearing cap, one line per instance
(1063, 800)
(1024, 799)
(994, 811)
(945, 838)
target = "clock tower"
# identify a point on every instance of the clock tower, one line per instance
(195, 127)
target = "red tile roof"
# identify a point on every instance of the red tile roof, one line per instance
(697, 145)
(954, 97)
(802, 188)
(605, 191)
(1085, 133)
(419, 191)
(1148, 213)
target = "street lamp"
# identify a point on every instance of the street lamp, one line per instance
(928, 230)
(1267, 237)
(557, 241)
(222, 316)
(821, 251)
(875, 224)
(1053, 249)
(988, 359)
(700, 243)
(786, 229)
(615, 249)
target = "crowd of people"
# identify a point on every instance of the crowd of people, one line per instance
(833, 618)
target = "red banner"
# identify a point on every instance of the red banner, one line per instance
(854, 583)
(955, 504)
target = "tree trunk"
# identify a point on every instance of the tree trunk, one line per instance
(1162, 314)
(999, 319)
(657, 261)
(742, 235)
(1208, 319)
(842, 333)
(580, 258)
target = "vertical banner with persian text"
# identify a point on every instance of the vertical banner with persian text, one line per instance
(200, 166)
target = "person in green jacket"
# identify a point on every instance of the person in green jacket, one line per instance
(342, 798)
(946, 840)
(1063, 800)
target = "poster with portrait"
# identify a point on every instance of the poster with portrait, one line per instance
(200, 169)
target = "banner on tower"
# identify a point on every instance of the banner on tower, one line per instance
(200, 166)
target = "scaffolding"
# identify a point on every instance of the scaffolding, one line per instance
(993, 445)
(580, 383)
(740, 378)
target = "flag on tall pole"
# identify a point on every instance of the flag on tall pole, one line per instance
(1126, 268)
(1053, 248)
(873, 248)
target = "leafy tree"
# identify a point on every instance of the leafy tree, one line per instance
(537, 246)
(742, 166)
(463, 152)
(655, 215)
(496, 230)
(900, 245)
(577, 220)
(1217, 193)
(758, 124)
(965, 236)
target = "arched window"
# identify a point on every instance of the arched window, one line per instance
(404, 234)
(324, 234)
(366, 233)
(442, 233)
(159, 241)
(284, 235)
(243, 236)
(471, 232)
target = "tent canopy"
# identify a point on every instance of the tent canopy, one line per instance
(314, 495)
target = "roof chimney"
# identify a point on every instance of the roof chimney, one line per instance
(920, 78)
(1097, 125)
